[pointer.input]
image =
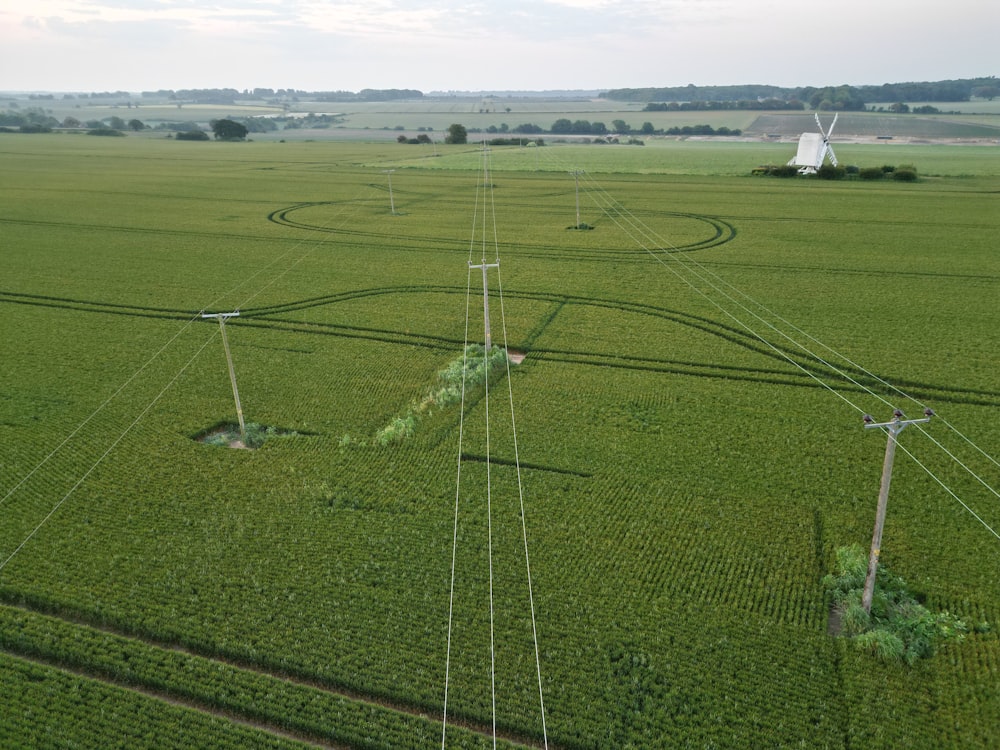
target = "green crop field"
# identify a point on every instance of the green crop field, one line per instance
(689, 446)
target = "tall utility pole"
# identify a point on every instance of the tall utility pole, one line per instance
(576, 174)
(486, 298)
(893, 427)
(229, 360)
(392, 205)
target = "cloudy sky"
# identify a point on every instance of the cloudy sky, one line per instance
(313, 45)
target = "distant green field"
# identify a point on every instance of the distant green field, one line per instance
(705, 157)
(689, 433)
(977, 120)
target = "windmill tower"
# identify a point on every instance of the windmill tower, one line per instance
(814, 148)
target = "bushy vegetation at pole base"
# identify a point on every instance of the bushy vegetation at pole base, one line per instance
(898, 628)
(463, 373)
(254, 436)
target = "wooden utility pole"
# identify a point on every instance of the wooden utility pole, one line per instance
(576, 174)
(229, 360)
(486, 298)
(392, 204)
(892, 428)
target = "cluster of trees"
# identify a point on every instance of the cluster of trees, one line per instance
(701, 105)
(223, 130)
(37, 120)
(830, 97)
(564, 126)
(421, 138)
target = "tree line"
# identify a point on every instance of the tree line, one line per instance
(828, 97)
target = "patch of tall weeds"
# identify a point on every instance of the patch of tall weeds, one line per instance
(898, 628)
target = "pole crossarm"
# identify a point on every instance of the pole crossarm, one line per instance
(893, 427)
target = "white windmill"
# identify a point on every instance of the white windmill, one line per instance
(814, 148)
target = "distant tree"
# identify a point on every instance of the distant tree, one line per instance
(136, 125)
(228, 130)
(192, 135)
(423, 138)
(899, 108)
(562, 125)
(986, 92)
(71, 122)
(457, 134)
(620, 126)
(114, 132)
(598, 128)
(116, 123)
(647, 128)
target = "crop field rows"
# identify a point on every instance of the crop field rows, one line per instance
(688, 468)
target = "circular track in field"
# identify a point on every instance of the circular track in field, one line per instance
(720, 231)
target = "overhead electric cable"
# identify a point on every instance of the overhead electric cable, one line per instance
(639, 233)
(106, 453)
(482, 223)
(121, 388)
(458, 475)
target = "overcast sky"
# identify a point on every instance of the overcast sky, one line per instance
(319, 45)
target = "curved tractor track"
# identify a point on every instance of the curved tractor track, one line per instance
(720, 232)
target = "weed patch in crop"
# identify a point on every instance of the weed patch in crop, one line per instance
(470, 371)
(898, 628)
(228, 435)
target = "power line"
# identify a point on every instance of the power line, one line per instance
(128, 381)
(105, 454)
(639, 233)
(488, 212)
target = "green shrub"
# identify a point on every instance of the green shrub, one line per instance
(882, 643)
(830, 172)
(397, 430)
(784, 170)
(905, 174)
(872, 173)
(898, 628)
